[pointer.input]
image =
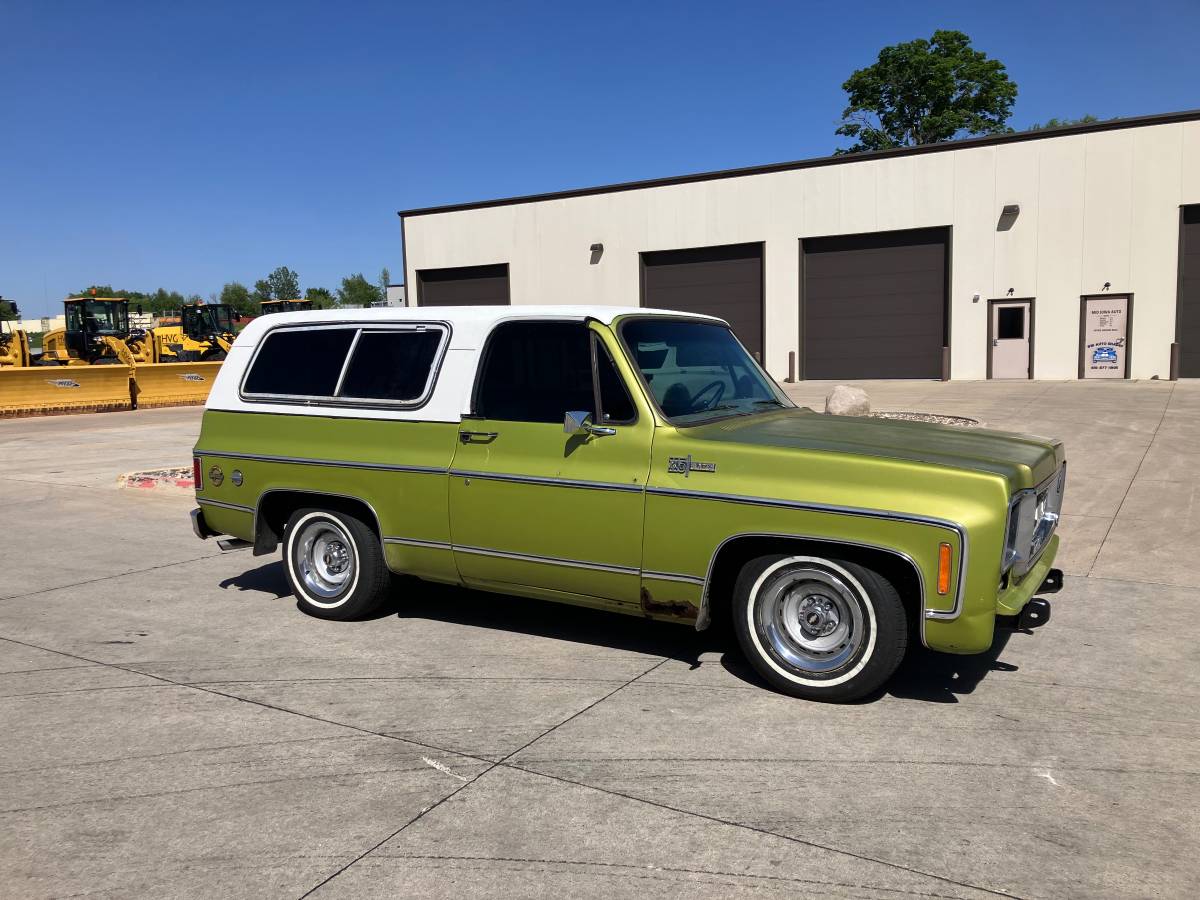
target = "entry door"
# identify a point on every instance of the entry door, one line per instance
(1011, 326)
(532, 505)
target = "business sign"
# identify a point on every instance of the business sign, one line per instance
(1105, 336)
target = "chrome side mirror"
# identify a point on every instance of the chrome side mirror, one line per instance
(579, 421)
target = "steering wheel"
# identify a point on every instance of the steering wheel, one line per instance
(716, 388)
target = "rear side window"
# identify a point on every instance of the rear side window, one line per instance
(347, 366)
(299, 362)
(391, 365)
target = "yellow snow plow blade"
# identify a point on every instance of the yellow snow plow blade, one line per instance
(50, 390)
(173, 384)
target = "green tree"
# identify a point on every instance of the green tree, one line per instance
(357, 291)
(926, 92)
(385, 278)
(1063, 123)
(262, 291)
(238, 296)
(285, 284)
(161, 302)
(320, 298)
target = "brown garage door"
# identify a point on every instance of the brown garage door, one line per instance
(464, 286)
(874, 305)
(1188, 328)
(725, 282)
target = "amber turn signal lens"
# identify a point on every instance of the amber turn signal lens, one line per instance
(944, 560)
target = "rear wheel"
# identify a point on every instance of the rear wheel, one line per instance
(335, 564)
(822, 629)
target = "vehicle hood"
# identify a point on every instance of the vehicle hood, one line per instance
(1025, 460)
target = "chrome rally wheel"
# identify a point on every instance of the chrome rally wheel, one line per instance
(819, 628)
(334, 563)
(326, 561)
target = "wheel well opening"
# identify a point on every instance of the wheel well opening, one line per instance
(734, 555)
(276, 507)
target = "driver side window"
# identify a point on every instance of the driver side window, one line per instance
(535, 372)
(539, 371)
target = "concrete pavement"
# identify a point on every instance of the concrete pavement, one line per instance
(171, 725)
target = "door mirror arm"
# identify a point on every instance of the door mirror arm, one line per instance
(579, 421)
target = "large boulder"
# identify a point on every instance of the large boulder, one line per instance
(845, 400)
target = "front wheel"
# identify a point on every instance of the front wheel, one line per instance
(822, 629)
(335, 564)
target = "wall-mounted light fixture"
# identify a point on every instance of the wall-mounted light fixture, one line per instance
(1011, 291)
(1107, 285)
(597, 252)
(1008, 216)
(597, 248)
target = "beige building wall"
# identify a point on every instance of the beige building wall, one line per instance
(1095, 207)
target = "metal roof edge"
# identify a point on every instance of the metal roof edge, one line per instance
(816, 162)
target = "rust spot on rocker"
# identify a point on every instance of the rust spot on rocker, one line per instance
(678, 608)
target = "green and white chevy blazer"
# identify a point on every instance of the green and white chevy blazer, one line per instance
(627, 459)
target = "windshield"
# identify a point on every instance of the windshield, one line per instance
(698, 371)
(102, 317)
(222, 317)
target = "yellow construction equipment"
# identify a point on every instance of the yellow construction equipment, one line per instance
(274, 306)
(173, 384)
(14, 347)
(207, 330)
(47, 390)
(97, 332)
(105, 364)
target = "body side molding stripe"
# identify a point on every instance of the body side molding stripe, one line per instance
(552, 482)
(549, 560)
(671, 576)
(336, 463)
(939, 614)
(236, 507)
(414, 542)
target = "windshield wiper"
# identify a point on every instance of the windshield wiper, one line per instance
(772, 402)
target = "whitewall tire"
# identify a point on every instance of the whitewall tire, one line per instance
(818, 628)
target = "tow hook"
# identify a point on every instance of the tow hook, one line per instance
(1035, 614)
(1052, 584)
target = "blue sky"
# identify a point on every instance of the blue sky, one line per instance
(186, 145)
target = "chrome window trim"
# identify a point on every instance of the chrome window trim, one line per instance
(337, 388)
(324, 400)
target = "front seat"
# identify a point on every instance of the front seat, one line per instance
(677, 401)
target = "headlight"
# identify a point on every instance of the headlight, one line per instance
(1032, 519)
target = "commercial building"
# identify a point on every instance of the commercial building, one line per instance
(1055, 254)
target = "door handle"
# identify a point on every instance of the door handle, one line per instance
(477, 437)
